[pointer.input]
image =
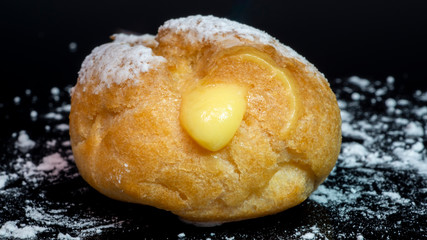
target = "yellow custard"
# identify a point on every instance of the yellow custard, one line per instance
(211, 114)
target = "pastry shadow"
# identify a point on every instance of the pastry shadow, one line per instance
(134, 221)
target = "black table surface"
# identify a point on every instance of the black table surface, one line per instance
(378, 189)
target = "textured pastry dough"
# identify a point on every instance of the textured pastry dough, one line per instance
(129, 144)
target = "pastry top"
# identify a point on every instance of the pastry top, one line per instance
(136, 137)
(122, 60)
(226, 33)
(129, 55)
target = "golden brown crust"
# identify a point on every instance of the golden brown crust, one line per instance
(129, 145)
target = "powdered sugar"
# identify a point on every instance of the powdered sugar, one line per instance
(210, 28)
(223, 31)
(414, 129)
(49, 168)
(53, 115)
(145, 39)
(3, 179)
(53, 164)
(313, 234)
(377, 147)
(381, 128)
(11, 230)
(62, 127)
(72, 46)
(362, 83)
(118, 62)
(17, 100)
(335, 195)
(62, 236)
(422, 96)
(24, 143)
(37, 165)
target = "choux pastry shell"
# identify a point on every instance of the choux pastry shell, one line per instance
(210, 119)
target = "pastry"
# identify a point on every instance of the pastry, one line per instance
(210, 119)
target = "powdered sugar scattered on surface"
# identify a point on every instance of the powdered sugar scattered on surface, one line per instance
(17, 100)
(362, 83)
(393, 138)
(72, 46)
(52, 164)
(62, 127)
(33, 167)
(3, 179)
(53, 115)
(383, 154)
(11, 230)
(62, 236)
(24, 143)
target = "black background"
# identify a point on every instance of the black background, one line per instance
(372, 39)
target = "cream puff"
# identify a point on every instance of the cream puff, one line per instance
(210, 119)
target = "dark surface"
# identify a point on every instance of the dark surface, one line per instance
(376, 195)
(373, 39)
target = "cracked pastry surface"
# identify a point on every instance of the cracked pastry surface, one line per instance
(130, 135)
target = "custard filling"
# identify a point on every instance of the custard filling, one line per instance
(212, 111)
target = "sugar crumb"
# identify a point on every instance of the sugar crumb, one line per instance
(3, 179)
(17, 100)
(308, 236)
(53, 115)
(24, 143)
(72, 46)
(66, 236)
(11, 230)
(62, 127)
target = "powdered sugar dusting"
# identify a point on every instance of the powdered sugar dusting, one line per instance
(53, 164)
(62, 127)
(118, 62)
(24, 143)
(210, 28)
(38, 169)
(11, 230)
(223, 31)
(67, 236)
(3, 179)
(384, 136)
(371, 135)
(145, 39)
